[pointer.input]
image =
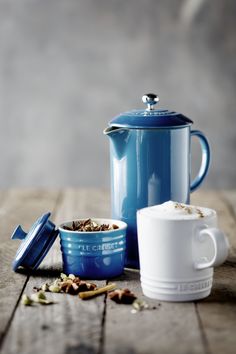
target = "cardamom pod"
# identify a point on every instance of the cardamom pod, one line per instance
(26, 300)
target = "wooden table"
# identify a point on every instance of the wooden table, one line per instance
(100, 326)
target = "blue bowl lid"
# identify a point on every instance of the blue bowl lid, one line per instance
(35, 244)
(150, 117)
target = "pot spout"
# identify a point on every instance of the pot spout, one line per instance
(119, 138)
(111, 130)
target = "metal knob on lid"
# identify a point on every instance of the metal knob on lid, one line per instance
(151, 117)
(150, 99)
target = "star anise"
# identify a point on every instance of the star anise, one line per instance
(69, 286)
(75, 286)
(122, 296)
(85, 286)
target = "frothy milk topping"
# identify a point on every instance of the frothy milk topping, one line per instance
(177, 211)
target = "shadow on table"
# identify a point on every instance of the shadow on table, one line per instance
(41, 272)
(128, 274)
(224, 284)
(223, 294)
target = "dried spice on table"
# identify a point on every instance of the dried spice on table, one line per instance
(38, 297)
(122, 296)
(76, 286)
(89, 294)
(69, 284)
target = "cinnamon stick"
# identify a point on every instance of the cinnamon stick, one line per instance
(88, 294)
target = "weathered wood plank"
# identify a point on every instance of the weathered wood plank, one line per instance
(160, 331)
(170, 328)
(72, 325)
(82, 203)
(20, 207)
(217, 313)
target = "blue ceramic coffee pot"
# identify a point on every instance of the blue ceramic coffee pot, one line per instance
(150, 158)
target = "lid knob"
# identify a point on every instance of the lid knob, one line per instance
(19, 234)
(150, 99)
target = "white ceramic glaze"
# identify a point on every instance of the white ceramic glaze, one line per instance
(177, 255)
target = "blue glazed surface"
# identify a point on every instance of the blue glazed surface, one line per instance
(148, 167)
(156, 118)
(94, 255)
(205, 160)
(35, 244)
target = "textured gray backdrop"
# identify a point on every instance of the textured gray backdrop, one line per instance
(68, 66)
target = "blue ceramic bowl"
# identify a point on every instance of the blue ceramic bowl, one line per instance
(94, 255)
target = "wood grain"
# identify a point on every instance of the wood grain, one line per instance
(181, 328)
(99, 325)
(166, 328)
(217, 313)
(72, 325)
(19, 207)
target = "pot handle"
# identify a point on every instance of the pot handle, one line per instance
(205, 160)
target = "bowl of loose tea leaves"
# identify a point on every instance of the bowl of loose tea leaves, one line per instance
(93, 248)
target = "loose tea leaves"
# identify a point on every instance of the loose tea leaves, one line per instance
(89, 225)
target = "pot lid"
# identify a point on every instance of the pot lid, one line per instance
(35, 244)
(150, 117)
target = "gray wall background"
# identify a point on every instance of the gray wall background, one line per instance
(68, 66)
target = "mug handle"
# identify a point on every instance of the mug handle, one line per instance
(205, 160)
(221, 247)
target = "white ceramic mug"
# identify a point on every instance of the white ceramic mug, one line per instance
(177, 255)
